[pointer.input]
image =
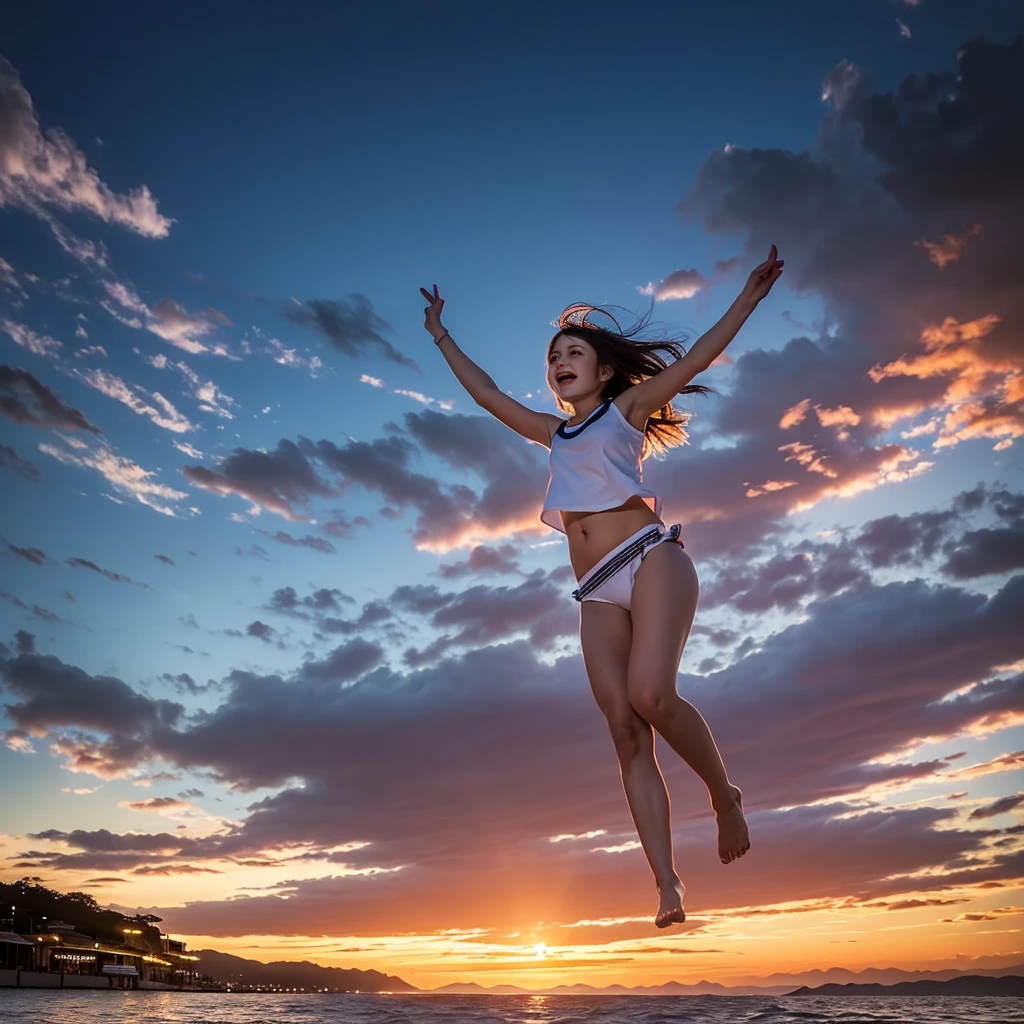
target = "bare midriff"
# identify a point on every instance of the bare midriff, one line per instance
(593, 534)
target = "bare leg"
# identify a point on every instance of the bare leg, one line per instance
(663, 605)
(606, 635)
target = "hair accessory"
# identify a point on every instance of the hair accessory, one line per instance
(578, 315)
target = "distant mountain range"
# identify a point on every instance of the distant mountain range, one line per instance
(836, 981)
(873, 980)
(295, 974)
(968, 985)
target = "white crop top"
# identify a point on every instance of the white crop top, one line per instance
(595, 466)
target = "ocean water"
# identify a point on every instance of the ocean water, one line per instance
(34, 1006)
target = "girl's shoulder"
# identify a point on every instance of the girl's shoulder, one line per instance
(626, 408)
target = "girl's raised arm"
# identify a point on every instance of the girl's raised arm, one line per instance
(645, 398)
(536, 426)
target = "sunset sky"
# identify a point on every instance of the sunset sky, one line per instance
(286, 656)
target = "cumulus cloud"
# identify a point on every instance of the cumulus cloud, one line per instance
(281, 481)
(680, 284)
(46, 170)
(931, 352)
(336, 721)
(949, 541)
(483, 560)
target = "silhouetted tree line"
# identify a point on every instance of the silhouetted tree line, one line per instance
(31, 900)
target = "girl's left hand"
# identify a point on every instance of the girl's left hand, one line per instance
(762, 277)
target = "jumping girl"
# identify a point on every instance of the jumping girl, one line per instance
(637, 587)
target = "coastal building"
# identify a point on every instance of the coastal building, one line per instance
(15, 952)
(63, 957)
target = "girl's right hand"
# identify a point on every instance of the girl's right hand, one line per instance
(432, 320)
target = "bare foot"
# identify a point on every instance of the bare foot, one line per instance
(671, 909)
(733, 838)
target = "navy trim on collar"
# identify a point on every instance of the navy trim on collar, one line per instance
(593, 418)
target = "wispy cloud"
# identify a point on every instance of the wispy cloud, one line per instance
(152, 405)
(39, 171)
(122, 474)
(165, 318)
(39, 344)
(351, 326)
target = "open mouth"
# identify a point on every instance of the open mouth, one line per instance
(564, 378)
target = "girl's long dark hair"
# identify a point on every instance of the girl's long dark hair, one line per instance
(633, 359)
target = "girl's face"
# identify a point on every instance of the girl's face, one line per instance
(573, 369)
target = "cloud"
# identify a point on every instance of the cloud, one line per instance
(940, 540)
(950, 248)
(46, 694)
(968, 553)
(284, 356)
(335, 722)
(172, 322)
(258, 630)
(418, 396)
(483, 614)
(157, 805)
(320, 544)
(207, 394)
(25, 400)
(165, 559)
(114, 577)
(90, 350)
(1000, 806)
(33, 555)
(10, 459)
(40, 170)
(38, 344)
(138, 399)
(281, 481)
(513, 472)
(482, 560)
(449, 516)
(190, 450)
(341, 527)
(92, 254)
(165, 318)
(837, 761)
(933, 349)
(9, 278)
(383, 465)
(680, 284)
(351, 326)
(122, 474)
(35, 611)
(984, 396)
